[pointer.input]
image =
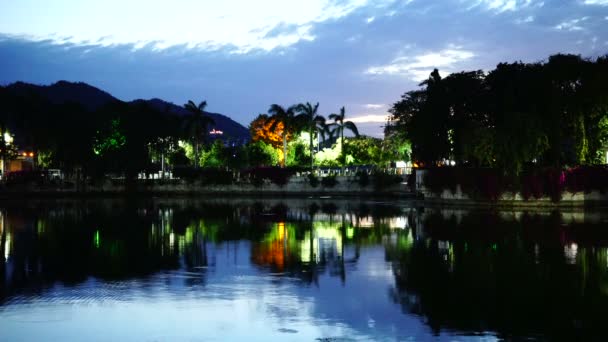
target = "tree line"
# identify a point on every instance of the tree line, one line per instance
(552, 113)
(126, 139)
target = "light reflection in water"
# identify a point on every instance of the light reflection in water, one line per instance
(180, 270)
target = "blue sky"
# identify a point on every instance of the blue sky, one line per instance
(241, 55)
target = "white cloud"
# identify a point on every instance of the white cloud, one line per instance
(571, 25)
(525, 20)
(374, 106)
(502, 5)
(419, 67)
(370, 20)
(596, 2)
(243, 25)
(369, 118)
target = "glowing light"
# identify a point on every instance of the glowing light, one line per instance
(350, 232)
(8, 138)
(216, 132)
(97, 239)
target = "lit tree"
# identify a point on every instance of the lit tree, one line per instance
(197, 125)
(288, 118)
(338, 128)
(260, 130)
(309, 113)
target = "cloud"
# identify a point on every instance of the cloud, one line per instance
(374, 106)
(596, 2)
(241, 25)
(369, 118)
(571, 25)
(503, 5)
(525, 20)
(419, 67)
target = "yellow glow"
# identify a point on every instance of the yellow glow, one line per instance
(350, 232)
(282, 232)
(8, 138)
(325, 235)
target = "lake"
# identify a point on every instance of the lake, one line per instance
(322, 269)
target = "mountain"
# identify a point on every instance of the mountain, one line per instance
(93, 98)
(61, 92)
(230, 128)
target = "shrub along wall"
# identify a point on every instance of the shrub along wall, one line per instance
(491, 184)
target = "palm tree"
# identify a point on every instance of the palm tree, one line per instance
(196, 125)
(289, 120)
(309, 114)
(324, 132)
(339, 126)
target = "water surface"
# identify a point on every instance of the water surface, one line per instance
(297, 270)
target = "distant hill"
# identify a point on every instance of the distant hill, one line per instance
(231, 128)
(93, 98)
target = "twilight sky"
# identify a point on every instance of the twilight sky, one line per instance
(242, 55)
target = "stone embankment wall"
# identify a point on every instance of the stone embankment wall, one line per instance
(507, 199)
(295, 186)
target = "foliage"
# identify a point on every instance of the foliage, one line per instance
(178, 157)
(586, 179)
(312, 123)
(338, 127)
(383, 180)
(329, 156)
(109, 139)
(260, 129)
(365, 150)
(362, 178)
(533, 182)
(260, 153)
(329, 181)
(276, 175)
(395, 145)
(313, 180)
(288, 120)
(215, 156)
(206, 176)
(551, 113)
(197, 126)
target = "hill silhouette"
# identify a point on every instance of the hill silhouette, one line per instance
(93, 98)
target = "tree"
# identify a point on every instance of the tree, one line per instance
(313, 121)
(197, 124)
(339, 125)
(260, 153)
(288, 119)
(260, 130)
(364, 150)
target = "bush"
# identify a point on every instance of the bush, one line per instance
(313, 180)
(329, 181)
(362, 178)
(205, 175)
(586, 179)
(384, 180)
(276, 175)
(536, 183)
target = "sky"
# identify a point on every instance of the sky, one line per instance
(241, 56)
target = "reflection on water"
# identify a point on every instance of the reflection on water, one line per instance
(297, 270)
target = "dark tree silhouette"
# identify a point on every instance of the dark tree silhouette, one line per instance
(197, 126)
(338, 127)
(309, 114)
